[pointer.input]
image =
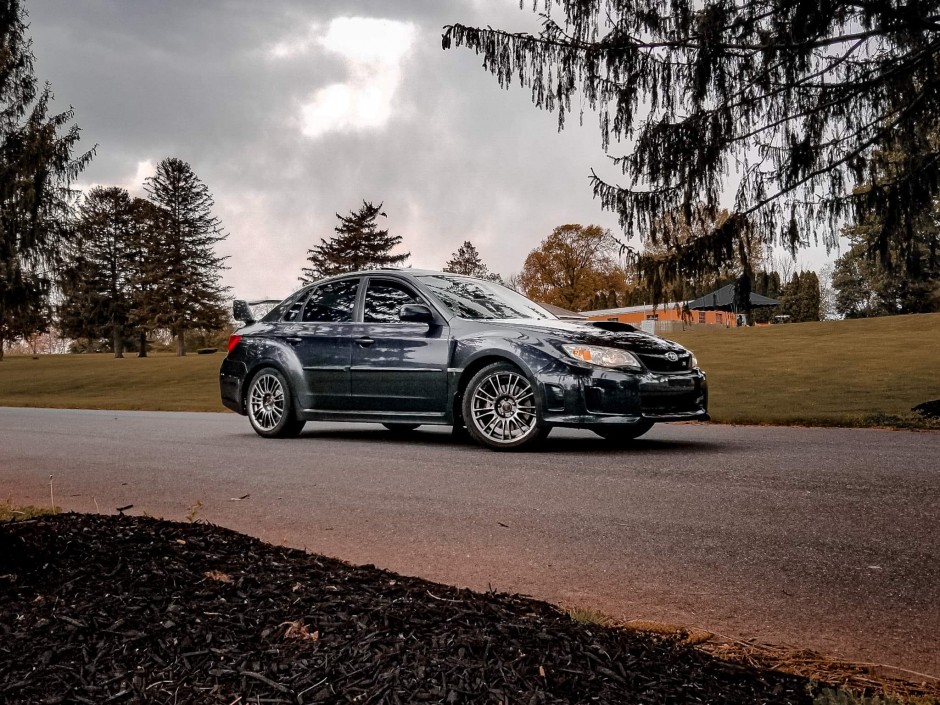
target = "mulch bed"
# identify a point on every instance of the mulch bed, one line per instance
(115, 609)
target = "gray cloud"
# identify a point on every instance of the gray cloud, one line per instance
(458, 159)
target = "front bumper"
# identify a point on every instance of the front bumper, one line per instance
(592, 396)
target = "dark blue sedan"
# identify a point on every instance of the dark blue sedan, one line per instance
(409, 347)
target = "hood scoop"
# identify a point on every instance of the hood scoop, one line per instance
(612, 326)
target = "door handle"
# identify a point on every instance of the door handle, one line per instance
(365, 341)
(293, 340)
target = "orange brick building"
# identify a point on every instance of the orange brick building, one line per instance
(714, 309)
(635, 315)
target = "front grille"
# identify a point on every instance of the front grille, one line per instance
(659, 363)
(678, 395)
(673, 403)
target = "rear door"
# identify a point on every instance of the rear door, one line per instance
(397, 366)
(321, 338)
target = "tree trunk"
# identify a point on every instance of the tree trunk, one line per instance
(117, 336)
(143, 345)
(1, 347)
(180, 344)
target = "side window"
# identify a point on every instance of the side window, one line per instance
(293, 312)
(333, 302)
(384, 299)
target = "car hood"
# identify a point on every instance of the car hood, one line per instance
(609, 333)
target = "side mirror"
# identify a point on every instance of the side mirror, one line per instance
(415, 313)
(242, 312)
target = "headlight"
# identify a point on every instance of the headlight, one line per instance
(603, 357)
(694, 362)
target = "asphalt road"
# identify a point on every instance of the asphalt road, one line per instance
(821, 538)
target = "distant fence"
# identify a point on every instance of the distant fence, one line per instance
(669, 326)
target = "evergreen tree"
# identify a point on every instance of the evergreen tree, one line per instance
(785, 101)
(766, 284)
(864, 287)
(800, 297)
(104, 264)
(881, 274)
(146, 244)
(466, 260)
(742, 297)
(36, 167)
(358, 244)
(790, 298)
(180, 284)
(854, 282)
(810, 298)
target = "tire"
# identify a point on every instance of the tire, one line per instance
(270, 405)
(499, 409)
(401, 427)
(622, 434)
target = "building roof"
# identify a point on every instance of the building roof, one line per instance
(630, 309)
(723, 300)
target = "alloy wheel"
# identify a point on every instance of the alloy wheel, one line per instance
(266, 401)
(503, 407)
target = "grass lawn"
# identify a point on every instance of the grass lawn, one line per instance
(161, 382)
(862, 372)
(866, 372)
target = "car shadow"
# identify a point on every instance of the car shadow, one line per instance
(555, 445)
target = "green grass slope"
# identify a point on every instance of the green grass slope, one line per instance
(860, 372)
(865, 372)
(160, 382)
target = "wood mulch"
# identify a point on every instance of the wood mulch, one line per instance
(116, 609)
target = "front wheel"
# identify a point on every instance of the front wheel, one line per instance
(623, 433)
(499, 408)
(270, 406)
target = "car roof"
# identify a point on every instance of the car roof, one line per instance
(408, 272)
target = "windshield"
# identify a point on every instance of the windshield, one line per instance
(481, 300)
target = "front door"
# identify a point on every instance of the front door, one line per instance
(397, 366)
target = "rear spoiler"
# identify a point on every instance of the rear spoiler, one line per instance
(241, 310)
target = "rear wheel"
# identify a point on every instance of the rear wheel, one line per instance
(270, 406)
(622, 434)
(499, 408)
(401, 427)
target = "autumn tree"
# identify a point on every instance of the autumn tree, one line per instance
(36, 167)
(571, 266)
(181, 281)
(466, 260)
(771, 108)
(358, 244)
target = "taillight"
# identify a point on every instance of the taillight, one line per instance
(233, 340)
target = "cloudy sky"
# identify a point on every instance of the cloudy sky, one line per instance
(293, 110)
